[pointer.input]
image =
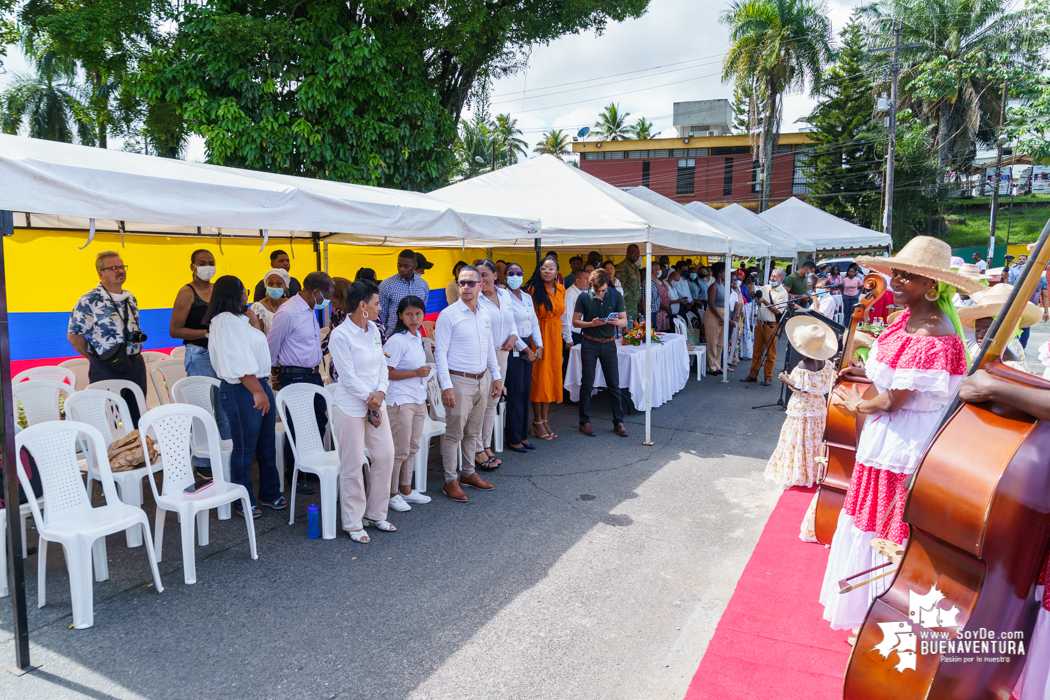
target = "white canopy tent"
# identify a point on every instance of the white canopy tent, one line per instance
(57, 185)
(744, 244)
(577, 210)
(783, 244)
(818, 230)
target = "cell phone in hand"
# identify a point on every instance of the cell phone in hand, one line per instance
(374, 418)
(197, 486)
(612, 317)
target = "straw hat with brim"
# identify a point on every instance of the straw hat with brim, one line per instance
(863, 340)
(811, 338)
(927, 257)
(991, 302)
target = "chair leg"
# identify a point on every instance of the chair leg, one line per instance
(189, 554)
(158, 532)
(291, 508)
(497, 428)
(81, 590)
(101, 561)
(203, 536)
(130, 491)
(225, 513)
(25, 546)
(152, 555)
(419, 466)
(329, 486)
(279, 444)
(247, 505)
(41, 573)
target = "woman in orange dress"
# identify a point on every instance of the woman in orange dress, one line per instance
(548, 297)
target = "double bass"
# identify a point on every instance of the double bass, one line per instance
(843, 428)
(958, 619)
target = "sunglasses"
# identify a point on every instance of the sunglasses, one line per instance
(469, 284)
(515, 274)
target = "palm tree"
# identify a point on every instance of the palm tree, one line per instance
(612, 124)
(555, 143)
(642, 129)
(776, 46)
(508, 144)
(473, 148)
(50, 100)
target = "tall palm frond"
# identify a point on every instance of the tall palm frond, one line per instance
(509, 144)
(48, 101)
(642, 129)
(612, 124)
(555, 143)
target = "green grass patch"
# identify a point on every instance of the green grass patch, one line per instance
(968, 224)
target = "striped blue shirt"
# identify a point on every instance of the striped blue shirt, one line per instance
(392, 290)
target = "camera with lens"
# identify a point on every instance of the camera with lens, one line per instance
(134, 336)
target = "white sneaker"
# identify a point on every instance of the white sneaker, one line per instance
(397, 503)
(414, 497)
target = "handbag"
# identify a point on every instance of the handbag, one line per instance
(126, 454)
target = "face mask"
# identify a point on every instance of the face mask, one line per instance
(639, 263)
(205, 272)
(773, 284)
(322, 305)
(274, 292)
(660, 275)
(736, 284)
(692, 276)
(821, 292)
(515, 281)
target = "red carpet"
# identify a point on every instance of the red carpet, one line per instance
(772, 641)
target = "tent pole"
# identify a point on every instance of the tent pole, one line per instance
(648, 343)
(536, 244)
(16, 579)
(316, 236)
(725, 311)
(769, 269)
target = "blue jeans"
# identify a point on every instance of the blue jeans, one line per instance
(198, 364)
(320, 414)
(1024, 337)
(253, 435)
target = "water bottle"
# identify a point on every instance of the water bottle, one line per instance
(313, 514)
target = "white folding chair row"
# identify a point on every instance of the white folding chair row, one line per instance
(698, 351)
(40, 399)
(53, 373)
(164, 374)
(433, 426)
(197, 391)
(180, 429)
(79, 367)
(296, 403)
(108, 413)
(428, 349)
(117, 386)
(152, 358)
(178, 352)
(68, 517)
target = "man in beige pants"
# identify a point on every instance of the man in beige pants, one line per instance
(469, 376)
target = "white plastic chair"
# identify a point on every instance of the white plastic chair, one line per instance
(54, 373)
(698, 351)
(308, 446)
(428, 349)
(196, 391)
(79, 366)
(164, 374)
(96, 408)
(431, 429)
(178, 352)
(152, 358)
(24, 512)
(69, 519)
(115, 386)
(174, 426)
(39, 399)
(499, 425)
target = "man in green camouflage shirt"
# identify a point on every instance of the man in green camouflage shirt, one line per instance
(630, 277)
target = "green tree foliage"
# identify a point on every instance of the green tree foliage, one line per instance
(8, 30)
(775, 46)
(481, 139)
(509, 144)
(642, 129)
(612, 124)
(917, 199)
(842, 163)
(50, 101)
(555, 143)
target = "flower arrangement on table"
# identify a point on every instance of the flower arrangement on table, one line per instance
(872, 329)
(635, 335)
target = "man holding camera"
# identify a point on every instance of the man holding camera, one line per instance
(598, 313)
(104, 328)
(772, 299)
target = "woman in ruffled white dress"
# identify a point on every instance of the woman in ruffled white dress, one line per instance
(916, 364)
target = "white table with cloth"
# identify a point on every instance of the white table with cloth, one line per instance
(670, 370)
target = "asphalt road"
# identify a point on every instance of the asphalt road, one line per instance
(598, 568)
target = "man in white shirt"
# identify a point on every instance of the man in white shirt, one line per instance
(771, 304)
(982, 266)
(463, 351)
(569, 334)
(681, 298)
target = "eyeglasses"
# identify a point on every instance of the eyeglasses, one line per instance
(515, 274)
(116, 268)
(469, 284)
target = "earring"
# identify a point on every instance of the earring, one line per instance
(935, 294)
(365, 313)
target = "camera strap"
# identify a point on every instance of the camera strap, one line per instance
(124, 317)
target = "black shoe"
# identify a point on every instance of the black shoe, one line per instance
(304, 487)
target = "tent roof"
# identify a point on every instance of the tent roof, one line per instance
(579, 210)
(821, 230)
(779, 246)
(744, 244)
(751, 222)
(63, 186)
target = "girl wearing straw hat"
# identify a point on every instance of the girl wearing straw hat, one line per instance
(915, 364)
(794, 461)
(987, 304)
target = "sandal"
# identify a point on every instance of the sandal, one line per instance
(279, 503)
(384, 525)
(359, 536)
(487, 465)
(550, 432)
(496, 461)
(536, 433)
(256, 511)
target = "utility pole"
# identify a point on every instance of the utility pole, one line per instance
(892, 146)
(998, 174)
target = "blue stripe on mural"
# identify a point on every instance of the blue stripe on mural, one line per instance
(43, 334)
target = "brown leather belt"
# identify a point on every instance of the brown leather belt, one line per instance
(468, 375)
(600, 340)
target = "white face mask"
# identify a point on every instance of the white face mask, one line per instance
(205, 272)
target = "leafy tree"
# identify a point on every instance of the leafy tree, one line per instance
(8, 30)
(612, 124)
(747, 108)
(1031, 125)
(555, 143)
(917, 198)
(781, 45)
(49, 100)
(473, 147)
(509, 144)
(841, 162)
(642, 129)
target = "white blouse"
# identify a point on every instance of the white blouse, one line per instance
(526, 321)
(502, 317)
(358, 353)
(237, 349)
(404, 351)
(264, 315)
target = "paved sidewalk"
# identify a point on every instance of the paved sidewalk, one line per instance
(598, 568)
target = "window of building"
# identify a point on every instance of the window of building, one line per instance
(727, 178)
(800, 179)
(731, 151)
(614, 155)
(660, 153)
(593, 155)
(637, 154)
(645, 174)
(756, 176)
(686, 176)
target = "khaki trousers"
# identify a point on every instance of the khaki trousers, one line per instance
(485, 439)
(713, 332)
(406, 426)
(463, 423)
(764, 333)
(355, 501)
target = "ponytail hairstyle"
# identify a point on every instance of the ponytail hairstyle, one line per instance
(409, 302)
(537, 288)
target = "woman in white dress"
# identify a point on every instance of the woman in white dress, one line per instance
(276, 282)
